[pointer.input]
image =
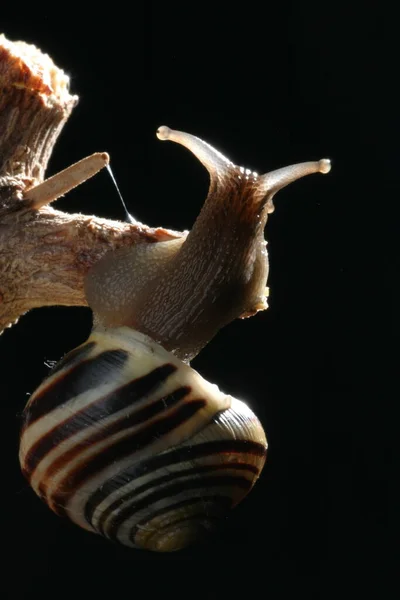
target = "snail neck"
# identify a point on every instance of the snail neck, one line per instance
(218, 274)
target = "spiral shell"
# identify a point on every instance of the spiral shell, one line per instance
(130, 442)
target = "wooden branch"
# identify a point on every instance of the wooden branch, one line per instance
(64, 182)
(45, 253)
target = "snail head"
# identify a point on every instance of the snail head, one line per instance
(181, 292)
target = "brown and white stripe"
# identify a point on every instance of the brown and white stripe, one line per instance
(130, 442)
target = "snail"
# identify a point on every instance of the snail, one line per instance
(124, 437)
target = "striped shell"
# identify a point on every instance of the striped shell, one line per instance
(130, 442)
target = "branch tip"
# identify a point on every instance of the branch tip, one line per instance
(66, 180)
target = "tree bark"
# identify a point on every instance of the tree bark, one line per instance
(44, 253)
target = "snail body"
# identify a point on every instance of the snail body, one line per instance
(124, 437)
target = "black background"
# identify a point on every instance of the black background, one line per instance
(268, 85)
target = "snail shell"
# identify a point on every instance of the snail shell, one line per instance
(124, 437)
(130, 442)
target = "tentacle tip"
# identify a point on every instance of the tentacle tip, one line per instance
(324, 165)
(105, 157)
(163, 132)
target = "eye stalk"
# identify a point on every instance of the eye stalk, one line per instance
(215, 161)
(181, 293)
(272, 182)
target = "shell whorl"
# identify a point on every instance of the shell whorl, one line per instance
(129, 442)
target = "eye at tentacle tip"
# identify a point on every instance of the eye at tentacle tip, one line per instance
(163, 132)
(324, 165)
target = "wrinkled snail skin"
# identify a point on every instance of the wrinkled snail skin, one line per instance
(181, 293)
(124, 437)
